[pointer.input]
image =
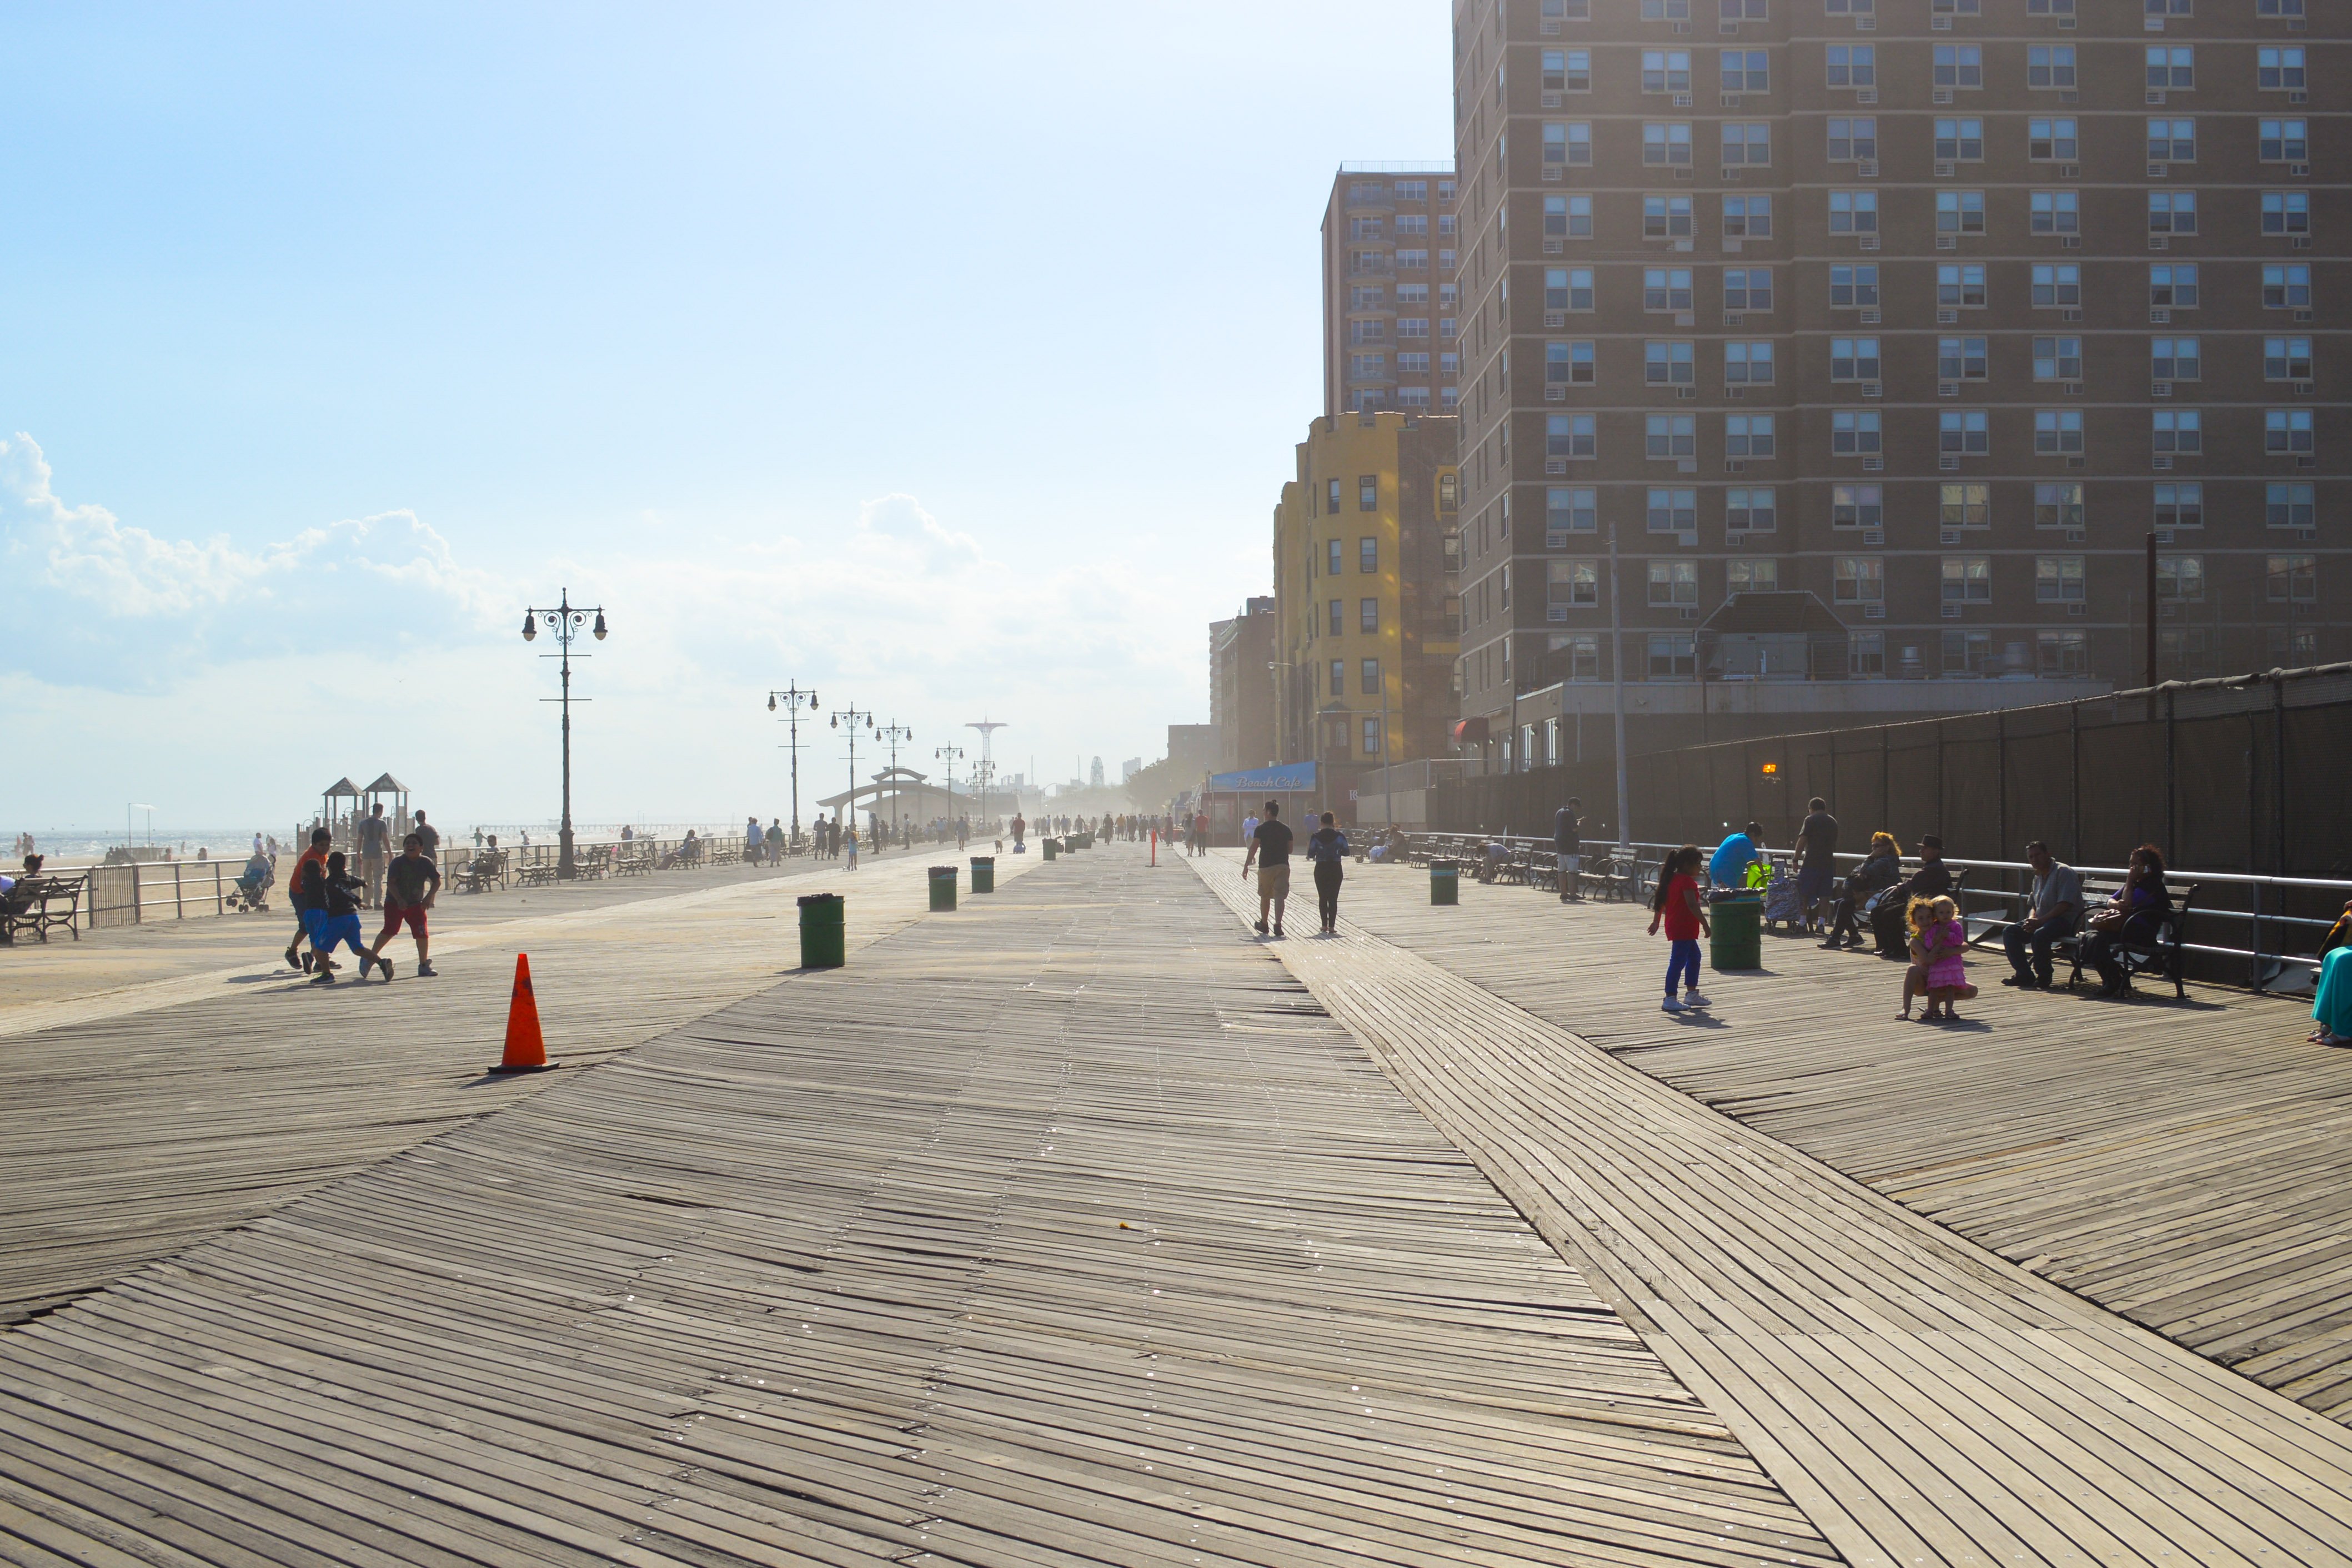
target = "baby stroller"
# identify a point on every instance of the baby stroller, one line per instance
(249, 893)
(1781, 904)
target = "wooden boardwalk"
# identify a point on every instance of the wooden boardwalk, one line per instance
(168, 1109)
(1065, 1229)
(1920, 1398)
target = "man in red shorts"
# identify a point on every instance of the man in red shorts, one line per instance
(409, 886)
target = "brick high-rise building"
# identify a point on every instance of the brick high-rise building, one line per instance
(1389, 306)
(1934, 309)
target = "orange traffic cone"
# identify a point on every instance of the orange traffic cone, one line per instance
(526, 1047)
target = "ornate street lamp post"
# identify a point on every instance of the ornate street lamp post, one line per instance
(890, 734)
(566, 621)
(855, 716)
(948, 754)
(794, 699)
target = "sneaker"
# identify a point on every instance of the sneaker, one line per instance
(1672, 1005)
(1261, 927)
(294, 959)
(1277, 928)
(323, 977)
(385, 965)
(1692, 999)
(1833, 944)
(426, 970)
(2024, 982)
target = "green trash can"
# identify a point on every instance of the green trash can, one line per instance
(983, 873)
(1738, 943)
(1445, 883)
(943, 887)
(1052, 847)
(822, 932)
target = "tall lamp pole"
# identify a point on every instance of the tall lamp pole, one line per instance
(855, 716)
(794, 699)
(1617, 677)
(890, 734)
(948, 754)
(566, 621)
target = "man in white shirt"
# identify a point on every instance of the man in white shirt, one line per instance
(1249, 830)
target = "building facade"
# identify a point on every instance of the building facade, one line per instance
(1389, 310)
(1363, 543)
(1241, 653)
(1935, 309)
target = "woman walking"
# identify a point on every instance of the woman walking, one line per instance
(1327, 846)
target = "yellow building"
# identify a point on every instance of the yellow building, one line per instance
(1368, 617)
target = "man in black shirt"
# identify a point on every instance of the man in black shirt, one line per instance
(1816, 861)
(1270, 849)
(1568, 844)
(1932, 879)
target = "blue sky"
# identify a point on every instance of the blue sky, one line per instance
(948, 358)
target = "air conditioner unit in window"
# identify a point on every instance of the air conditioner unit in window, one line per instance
(2159, 316)
(1549, 29)
(1690, 615)
(2306, 533)
(1682, 26)
(1941, 94)
(1873, 464)
(1727, 27)
(1555, 318)
(2076, 536)
(2306, 462)
(1734, 319)
(2074, 388)
(2078, 463)
(1948, 464)
(2304, 316)
(1870, 318)
(2070, 315)
(2302, 389)
(2155, 95)
(2070, 97)
(2070, 171)
(1951, 612)
(2159, 241)
(1947, 537)
(2298, 97)
(1555, 612)
(1687, 538)
(1684, 173)
(2166, 612)
(1874, 536)
(1686, 391)
(2298, 171)
(1866, 242)
(1947, 241)
(2164, 536)
(1946, 171)
(1874, 612)
(1940, 24)
(1947, 318)
(1554, 246)
(2162, 465)
(1735, 391)
(1947, 389)
(1554, 394)
(2300, 242)
(1555, 465)
(2159, 171)
(1731, 100)
(1554, 172)
(2070, 242)
(1867, 96)
(1735, 465)
(1873, 389)
(1866, 171)
(2076, 609)
(2160, 389)
(1551, 100)
(2066, 23)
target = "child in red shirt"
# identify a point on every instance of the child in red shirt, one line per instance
(1676, 902)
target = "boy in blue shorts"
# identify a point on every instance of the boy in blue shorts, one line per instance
(340, 918)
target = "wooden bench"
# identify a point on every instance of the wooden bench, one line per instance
(2157, 954)
(540, 874)
(40, 904)
(481, 873)
(634, 862)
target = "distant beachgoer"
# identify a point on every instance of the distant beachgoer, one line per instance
(430, 835)
(1327, 847)
(775, 840)
(754, 841)
(375, 849)
(849, 842)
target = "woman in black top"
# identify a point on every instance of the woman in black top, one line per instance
(1327, 846)
(2130, 917)
(1881, 868)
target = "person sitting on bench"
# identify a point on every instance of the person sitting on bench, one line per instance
(2131, 916)
(2054, 911)
(1880, 869)
(1932, 879)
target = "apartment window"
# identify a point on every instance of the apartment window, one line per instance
(1568, 70)
(1853, 65)
(2177, 430)
(1583, 656)
(1371, 736)
(1569, 436)
(1866, 654)
(2172, 141)
(1665, 218)
(2048, 8)
(1413, 190)
(2292, 578)
(1969, 654)
(2286, 359)
(1367, 555)
(1568, 142)
(2057, 284)
(1747, 288)
(1665, 70)
(2180, 579)
(1958, 65)
(1752, 575)
(1854, 212)
(2279, 70)
(1968, 579)
(1857, 507)
(2284, 142)
(2171, 67)
(1748, 217)
(1959, 211)
(1961, 141)
(1670, 653)
(1964, 506)
(1338, 623)
(1672, 511)
(1666, 289)
(2057, 359)
(1666, 143)
(1956, 8)
(1575, 583)
(1413, 327)
(1963, 284)
(1853, 433)
(1332, 496)
(1445, 328)
(2049, 65)
(1333, 553)
(1854, 360)
(1448, 489)
(2278, 8)
(1963, 432)
(2287, 285)
(1748, 364)
(1671, 434)
(1413, 224)
(1367, 493)
(1568, 288)
(1746, 143)
(1568, 217)
(2057, 432)
(1673, 582)
(1367, 299)
(1553, 11)
(2181, 505)
(2175, 360)
(1746, 71)
(1338, 678)
(1747, 10)
(2064, 653)
(1568, 364)
(1413, 365)
(2287, 430)
(2172, 212)
(1750, 509)
(1449, 398)
(2286, 211)
(1368, 612)
(2172, 286)
(2058, 580)
(1446, 257)
(1413, 294)
(1748, 436)
(1849, 7)
(1854, 141)
(1853, 285)
(2290, 506)
(2058, 505)
(2055, 212)
(1366, 367)
(2053, 140)
(1570, 510)
(1860, 579)
(1667, 362)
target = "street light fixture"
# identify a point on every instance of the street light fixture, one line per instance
(856, 715)
(948, 754)
(566, 621)
(891, 734)
(794, 699)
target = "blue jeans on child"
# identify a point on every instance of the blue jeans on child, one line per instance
(1685, 963)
